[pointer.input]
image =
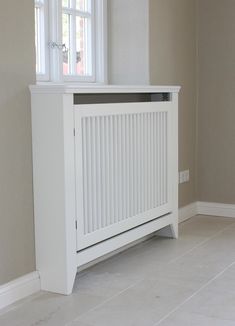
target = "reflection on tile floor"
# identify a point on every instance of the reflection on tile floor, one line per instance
(190, 281)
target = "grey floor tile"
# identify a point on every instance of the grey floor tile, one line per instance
(205, 225)
(191, 319)
(143, 304)
(78, 323)
(147, 258)
(50, 309)
(213, 304)
(217, 300)
(145, 283)
(104, 283)
(206, 260)
(226, 282)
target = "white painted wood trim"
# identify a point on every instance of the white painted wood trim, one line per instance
(206, 208)
(54, 191)
(115, 252)
(187, 212)
(55, 88)
(19, 289)
(55, 188)
(29, 284)
(103, 248)
(216, 209)
(101, 40)
(148, 80)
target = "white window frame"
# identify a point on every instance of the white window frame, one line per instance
(52, 40)
(43, 75)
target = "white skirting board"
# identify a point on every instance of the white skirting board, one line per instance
(30, 283)
(216, 209)
(187, 212)
(205, 208)
(19, 289)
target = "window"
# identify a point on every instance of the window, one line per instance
(70, 40)
(40, 38)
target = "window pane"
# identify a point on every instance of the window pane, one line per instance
(83, 47)
(65, 3)
(66, 41)
(77, 40)
(37, 39)
(82, 5)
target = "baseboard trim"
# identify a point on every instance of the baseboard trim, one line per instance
(206, 208)
(216, 209)
(187, 212)
(19, 289)
(30, 283)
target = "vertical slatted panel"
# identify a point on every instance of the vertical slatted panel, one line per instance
(124, 167)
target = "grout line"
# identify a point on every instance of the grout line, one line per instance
(19, 303)
(139, 281)
(194, 294)
(104, 302)
(200, 244)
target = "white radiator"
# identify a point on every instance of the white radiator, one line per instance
(123, 164)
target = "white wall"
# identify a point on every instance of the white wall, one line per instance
(128, 39)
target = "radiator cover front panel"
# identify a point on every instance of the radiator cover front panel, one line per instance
(123, 168)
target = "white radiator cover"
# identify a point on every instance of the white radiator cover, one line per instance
(123, 157)
(104, 175)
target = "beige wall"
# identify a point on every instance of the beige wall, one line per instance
(173, 61)
(128, 41)
(16, 204)
(216, 110)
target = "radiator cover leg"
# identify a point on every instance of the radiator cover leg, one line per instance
(170, 231)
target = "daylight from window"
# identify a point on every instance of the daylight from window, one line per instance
(77, 37)
(39, 35)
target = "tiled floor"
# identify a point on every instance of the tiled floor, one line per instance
(186, 282)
